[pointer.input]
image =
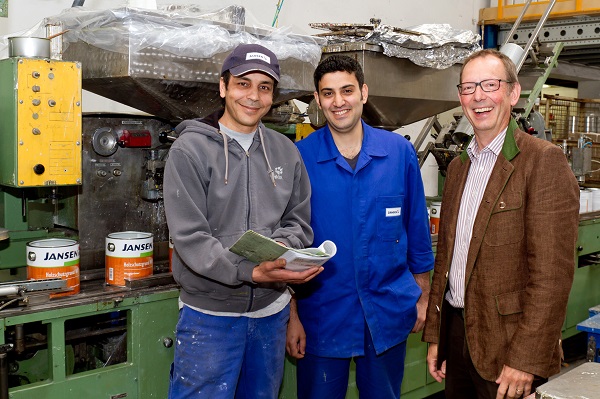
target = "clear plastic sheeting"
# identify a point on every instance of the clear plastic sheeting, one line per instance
(436, 46)
(168, 62)
(181, 31)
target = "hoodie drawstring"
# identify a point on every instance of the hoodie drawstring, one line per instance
(226, 150)
(262, 140)
(269, 169)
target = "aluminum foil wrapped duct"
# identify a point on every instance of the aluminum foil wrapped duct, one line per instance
(429, 45)
(437, 46)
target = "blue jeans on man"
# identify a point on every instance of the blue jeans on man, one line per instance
(221, 357)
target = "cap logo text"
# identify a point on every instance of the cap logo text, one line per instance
(258, 56)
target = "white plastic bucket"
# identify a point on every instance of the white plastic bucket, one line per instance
(595, 200)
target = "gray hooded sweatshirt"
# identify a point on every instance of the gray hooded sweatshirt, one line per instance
(214, 191)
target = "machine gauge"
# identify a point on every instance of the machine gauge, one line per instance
(105, 141)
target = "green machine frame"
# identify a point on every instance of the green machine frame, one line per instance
(152, 316)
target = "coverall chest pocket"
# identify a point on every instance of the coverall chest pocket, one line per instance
(389, 217)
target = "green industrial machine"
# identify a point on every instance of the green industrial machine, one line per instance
(100, 345)
(78, 177)
(40, 144)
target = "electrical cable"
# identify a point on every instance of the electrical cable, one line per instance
(596, 170)
(8, 303)
(278, 8)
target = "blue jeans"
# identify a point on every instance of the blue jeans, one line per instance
(377, 376)
(219, 357)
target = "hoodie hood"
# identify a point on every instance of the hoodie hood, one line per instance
(209, 126)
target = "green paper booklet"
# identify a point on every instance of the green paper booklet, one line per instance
(257, 248)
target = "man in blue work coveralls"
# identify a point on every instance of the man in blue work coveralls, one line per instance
(367, 197)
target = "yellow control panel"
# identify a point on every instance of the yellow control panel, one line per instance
(48, 144)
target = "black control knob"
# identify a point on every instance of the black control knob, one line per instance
(39, 169)
(168, 342)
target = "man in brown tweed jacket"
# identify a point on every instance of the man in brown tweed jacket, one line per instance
(505, 253)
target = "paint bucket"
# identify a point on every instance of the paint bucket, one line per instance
(595, 200)
(54, 258)
(129, 256)
(585, 201)
(434, 217)
(29, 47)
(170, 253)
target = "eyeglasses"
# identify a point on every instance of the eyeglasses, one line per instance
(487, 85)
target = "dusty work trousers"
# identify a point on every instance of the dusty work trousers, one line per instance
(462, 379)
(377, 376)
(220, 357)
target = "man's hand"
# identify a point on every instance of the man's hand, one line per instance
(296, 337)
(421, 313)
(274, 271)
(513, 383)
(422, 279)
(432, 358)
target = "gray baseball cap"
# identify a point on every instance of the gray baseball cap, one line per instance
(251, 58)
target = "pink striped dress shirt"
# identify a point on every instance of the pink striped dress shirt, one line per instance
(482, 164)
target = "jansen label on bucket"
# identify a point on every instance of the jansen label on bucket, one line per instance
(129, 256)
(54, 258)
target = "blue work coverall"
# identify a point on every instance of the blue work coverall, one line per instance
(377, 217)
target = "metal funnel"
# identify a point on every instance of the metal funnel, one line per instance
(400, 92)
(169, 86)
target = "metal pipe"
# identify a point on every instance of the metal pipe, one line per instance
(517, 22)
(4, 349)
(19, 338)
(535, 34)
(3, 376)
(9, 290)
(77, 3)
(423, 134)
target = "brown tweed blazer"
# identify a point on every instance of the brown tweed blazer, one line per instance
(521, 258)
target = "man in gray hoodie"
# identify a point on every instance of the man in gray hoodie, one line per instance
(227, 174)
